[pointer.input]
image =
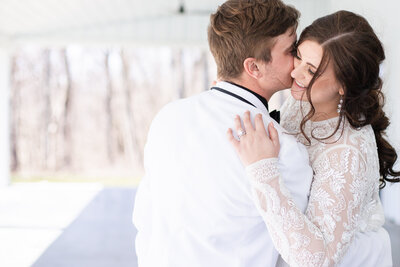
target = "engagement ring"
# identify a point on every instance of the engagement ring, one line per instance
(241, 133)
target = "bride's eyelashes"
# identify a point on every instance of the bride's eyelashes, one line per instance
(296, 55)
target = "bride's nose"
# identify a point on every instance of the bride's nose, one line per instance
(297, 73)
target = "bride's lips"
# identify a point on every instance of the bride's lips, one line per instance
(297, 86)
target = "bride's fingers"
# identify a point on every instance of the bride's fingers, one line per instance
(258, 122)
(232, 139)
(247, 122)
(238, 124)
(273, 134)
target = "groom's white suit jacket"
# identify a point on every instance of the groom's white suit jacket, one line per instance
(194, 206)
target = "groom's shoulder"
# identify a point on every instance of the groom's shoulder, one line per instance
(185, 104)
(179, 107)
(182, 103)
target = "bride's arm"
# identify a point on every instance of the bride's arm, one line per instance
(321, 236)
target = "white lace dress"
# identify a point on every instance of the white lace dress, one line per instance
(343, 221)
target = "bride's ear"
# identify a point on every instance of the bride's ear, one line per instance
(251, 67)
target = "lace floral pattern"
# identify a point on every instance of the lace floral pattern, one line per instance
(344, 196)
(264, 169)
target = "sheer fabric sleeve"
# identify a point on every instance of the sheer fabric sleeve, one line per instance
(322, 235)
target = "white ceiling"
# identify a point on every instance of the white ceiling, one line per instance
(131, 21)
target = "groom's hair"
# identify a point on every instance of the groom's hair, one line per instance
(240, 29)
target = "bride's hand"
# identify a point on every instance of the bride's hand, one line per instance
(255, 144)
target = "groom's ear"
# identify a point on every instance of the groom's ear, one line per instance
(251, 67)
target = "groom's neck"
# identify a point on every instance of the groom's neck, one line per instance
(252, 85)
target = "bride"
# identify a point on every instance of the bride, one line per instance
(335, 109)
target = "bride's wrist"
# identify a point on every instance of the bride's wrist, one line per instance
(267, 168)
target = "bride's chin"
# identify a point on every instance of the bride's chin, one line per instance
(298, 94)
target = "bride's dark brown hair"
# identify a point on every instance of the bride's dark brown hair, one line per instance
(350, 44)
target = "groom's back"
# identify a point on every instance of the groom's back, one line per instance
(194, 207)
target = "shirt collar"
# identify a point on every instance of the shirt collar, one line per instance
(254, 98)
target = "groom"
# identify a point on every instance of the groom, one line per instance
(194, 206)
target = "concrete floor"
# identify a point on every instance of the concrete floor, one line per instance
(102, 235)
(66, 225)
(74, 225)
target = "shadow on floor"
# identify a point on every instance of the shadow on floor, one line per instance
(101, 236)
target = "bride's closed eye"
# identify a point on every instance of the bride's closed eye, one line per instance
(296, 56)
(311, 72)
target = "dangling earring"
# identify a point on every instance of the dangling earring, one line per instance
(339, 106)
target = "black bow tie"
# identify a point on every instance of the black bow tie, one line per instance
(276, 115)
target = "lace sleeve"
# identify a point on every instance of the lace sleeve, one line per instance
(322, 235)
